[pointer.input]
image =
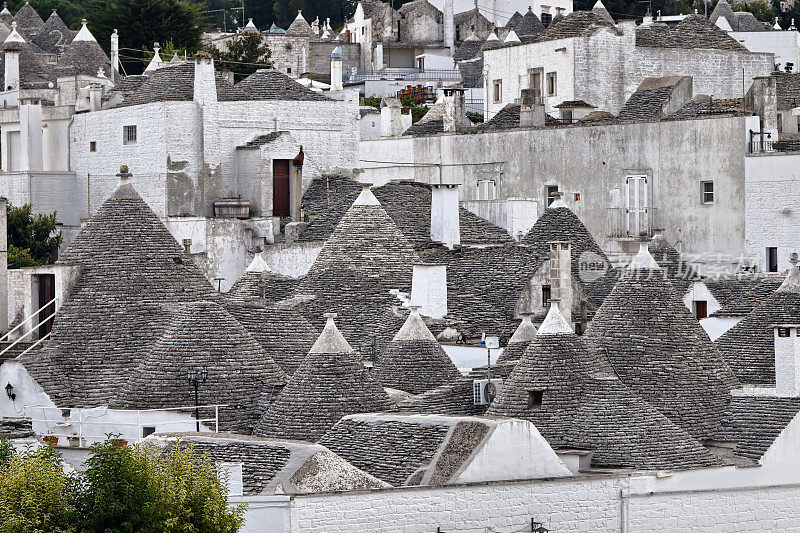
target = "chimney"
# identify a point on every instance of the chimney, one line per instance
(787, 359)
(205, 82)
(429, 289)
(95, 96)
(531, 110)
(454, 109)
(336, 69)
(30, 126)
(391, 118)
(561, 276)
(449, 26)
(762, 98)
(114, 55)
(12, 69)
(3, 267)
(445, 227)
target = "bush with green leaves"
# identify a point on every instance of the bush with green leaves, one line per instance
(32, 239)
(124, 489)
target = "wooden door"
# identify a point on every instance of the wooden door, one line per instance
(47, 291)
(280, 187)
(701, 309)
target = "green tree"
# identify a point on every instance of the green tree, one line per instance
(138, 489)
(142, 22)
(71, 12)
(247, 52)
(761, 9)
(35, 494)
(31, 237)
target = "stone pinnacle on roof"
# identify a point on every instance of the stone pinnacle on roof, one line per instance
(156, 62)
(14, 36)
(5, 10)
(554, 323)
(84, 34)
(519, 341)
(414, 361)
(258, 265)
(331, 383)
(601, 10)
(558, 201)
(792, 281)
(643, 260)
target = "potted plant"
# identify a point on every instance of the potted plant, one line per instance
(51, 440)
(119, 442)
(74, 440)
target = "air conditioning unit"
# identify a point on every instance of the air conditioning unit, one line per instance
(486, 390)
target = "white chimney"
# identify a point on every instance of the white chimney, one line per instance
(454, 109)
(95, 96)
(531, 110)
(3, 266)
(205, 81)
(449, 26)
(787, 360)
(391, 118)
(12, 70)
(445, 226)
(114, 55)
(30, 126)
(336, 69)
(560, 276)
(429, 289)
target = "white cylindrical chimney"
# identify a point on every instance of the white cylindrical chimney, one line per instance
(114, 56)
(445, 225)
(449, 26)
(12, 70)
(30, 126)
(336, 69)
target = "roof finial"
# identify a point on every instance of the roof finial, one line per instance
(793, 259)
(124, 176)
(554, 323)
(557, 200)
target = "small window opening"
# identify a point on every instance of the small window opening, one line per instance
(784, 332)
(707, 192)
(546, 294)
(148, 430)
(93, 146)
(129, 135)
(772, 259)
(535, 399)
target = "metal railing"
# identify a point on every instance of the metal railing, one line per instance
(760, 146)
(403, 74)
(621, 222)
(786, 146)
(36, 313)
(88, 416)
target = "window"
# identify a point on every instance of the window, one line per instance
(288, 70)
(566, 115)
(92, 146)
(535, 399)
(546, 295)
(784, 332)
(772, 259)
(546, 18)
(486, 190)
(128, 134)
(700, 309)
(498, 90)
(636, 206)
(707, 192)
(552, 85)
(147, 430)
(578, 328)
(551, 194)
(535, 81)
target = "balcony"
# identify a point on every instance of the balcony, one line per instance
(624, 224)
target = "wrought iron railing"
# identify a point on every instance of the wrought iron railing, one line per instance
(404, 74)
(621, 222)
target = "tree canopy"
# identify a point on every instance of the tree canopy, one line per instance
(247, 52)
(32, 239)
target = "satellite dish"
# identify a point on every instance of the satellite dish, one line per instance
(489, 392)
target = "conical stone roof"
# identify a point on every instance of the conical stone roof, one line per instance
(600, 9)
(569, 391)
(32, 73)
(331, 383)
(491, 42)
(659, 349)
(285, 334)
(202, 335)
(414, 361)
(131, 267)
(257, 277)
(29, 23)
(54, 36)
(83, 56)
(5, 15)
(529, 27)
(364, 258)
(678, 271)
(299, 27)
(469, 49)
(559, 223)
(749, 346)
(518, 342)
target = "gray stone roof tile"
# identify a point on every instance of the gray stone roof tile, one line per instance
(268, 84)
(754, 422)
(54, 36)
(749, 293)
(83, 58)
(694, 31)
(29, 23)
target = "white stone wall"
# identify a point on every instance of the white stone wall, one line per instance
(772, 205)
(676, 155)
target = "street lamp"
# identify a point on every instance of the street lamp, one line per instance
(10, 392)
(195, 381)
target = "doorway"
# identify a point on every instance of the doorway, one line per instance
(47, 304)
(280, 188)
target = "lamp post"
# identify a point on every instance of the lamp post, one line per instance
(195, 380)
(10, 392)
